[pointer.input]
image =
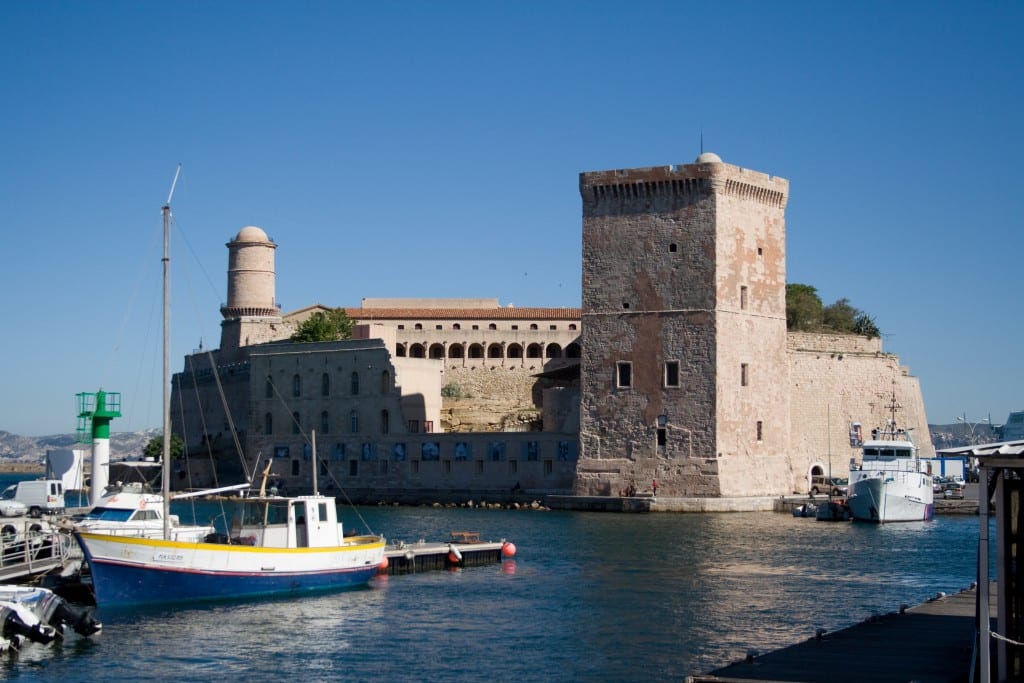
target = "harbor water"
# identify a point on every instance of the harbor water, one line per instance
(588, 596)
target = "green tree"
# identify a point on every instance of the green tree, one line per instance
(803, 308)
(155, 447)
(839, 317)
(330, 326)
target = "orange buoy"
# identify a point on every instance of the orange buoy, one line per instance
(452, 558)
(383, 566)
(508, 549)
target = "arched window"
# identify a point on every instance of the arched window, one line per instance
(354, 389)
(296, 386)
(456, 326)
(572, 350)
(296, 425)
(476, 351)
(514, 351)
(534, 351)
(416, 351)
(494, 351)
(533, 326)
(325, 384)
(436, 351)
(385, 382)
(269, 393)
(385, 422)
(492, 326)
(572, 326)
(554, 351)
(418, 326)
(353, 422)
(455, 351)
(400, 350)
(268, 424)
(325, 423)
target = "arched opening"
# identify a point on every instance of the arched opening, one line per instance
(514, 351)
(417, 351)
(354, 389)
(385, 422)
(400, 350)
(385, 382)
(325, 423)
(325, 384)
(476, 351)
(534, 351)
(572, 350)
(494, 351)
(436, 351)
(554, 351)
(455, 351)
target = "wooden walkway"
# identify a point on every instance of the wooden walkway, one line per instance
(930, 643)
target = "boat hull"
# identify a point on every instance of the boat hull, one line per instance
(132, 571)
(891, 497)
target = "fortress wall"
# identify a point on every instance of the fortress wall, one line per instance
(831, 389)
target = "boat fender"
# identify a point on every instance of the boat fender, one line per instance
(508, 549)
(383, 566)
(454, 556)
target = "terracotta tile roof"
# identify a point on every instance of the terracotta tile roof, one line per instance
(503, 313)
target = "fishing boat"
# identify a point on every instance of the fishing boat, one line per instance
(275, 545)
(890, 483)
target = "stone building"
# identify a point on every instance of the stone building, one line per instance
(678, 367)
(688, 374)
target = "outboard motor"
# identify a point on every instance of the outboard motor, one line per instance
(17, 622)
(50, 608)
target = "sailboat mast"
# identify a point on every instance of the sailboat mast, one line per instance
(165, 488)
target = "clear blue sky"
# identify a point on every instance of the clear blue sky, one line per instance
(433, 149)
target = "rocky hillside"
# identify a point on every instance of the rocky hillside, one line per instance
(14, 448)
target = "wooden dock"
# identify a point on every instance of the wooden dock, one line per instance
(463, 550)
(930, 643)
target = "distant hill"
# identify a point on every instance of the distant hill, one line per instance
(15, 448)
(958, 434)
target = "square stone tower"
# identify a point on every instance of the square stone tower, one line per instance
(684, 367)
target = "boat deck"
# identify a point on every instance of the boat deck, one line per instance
(930, 643)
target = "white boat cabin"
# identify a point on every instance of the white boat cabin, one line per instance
(302, 522)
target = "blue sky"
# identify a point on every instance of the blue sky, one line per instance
(401, 149)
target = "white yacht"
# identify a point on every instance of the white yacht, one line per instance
(890, 483)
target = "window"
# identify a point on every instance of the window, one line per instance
(759, 251)
(549, 467)
(515, 327)
(456, 326)
(553, 327)
(624, 374)
(414, 426)
(760, 431)
(672, 248)
(385, 382)
(447, 466)
(353, 422)
(513, 466)
(268, 424)
(296, 386)
(438, 327)
(479, 466)
(744, 374)
(743, 297)
(296, 425)
(662, 437)
(428, 426)
(269, 393)
(671, 373)
(625, 305)
(492, 326)
(325, 384)
(533, 326)
(401, 327)
(415, 466)
(418, 326)
(385, 422)
(354, 389)
(295, 468)
(325, 423)
(353, 468)
(572, 326)
(476, 327)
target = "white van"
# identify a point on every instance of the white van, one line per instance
(39, 495)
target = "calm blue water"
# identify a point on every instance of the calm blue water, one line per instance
(588, 596)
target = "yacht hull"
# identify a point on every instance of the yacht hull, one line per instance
(891, 497)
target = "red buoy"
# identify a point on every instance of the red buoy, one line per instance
(383, 566)
(508, 549)
(452, 558)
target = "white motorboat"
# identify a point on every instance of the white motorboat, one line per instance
(890, 483)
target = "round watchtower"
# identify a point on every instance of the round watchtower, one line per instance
(250, 275)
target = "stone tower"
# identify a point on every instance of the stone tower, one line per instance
(251, 315)
(684, 369)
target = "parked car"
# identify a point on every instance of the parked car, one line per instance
(953, 489)
(12, 508)
(836, 486)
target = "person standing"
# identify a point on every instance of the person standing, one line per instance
(654, 487)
